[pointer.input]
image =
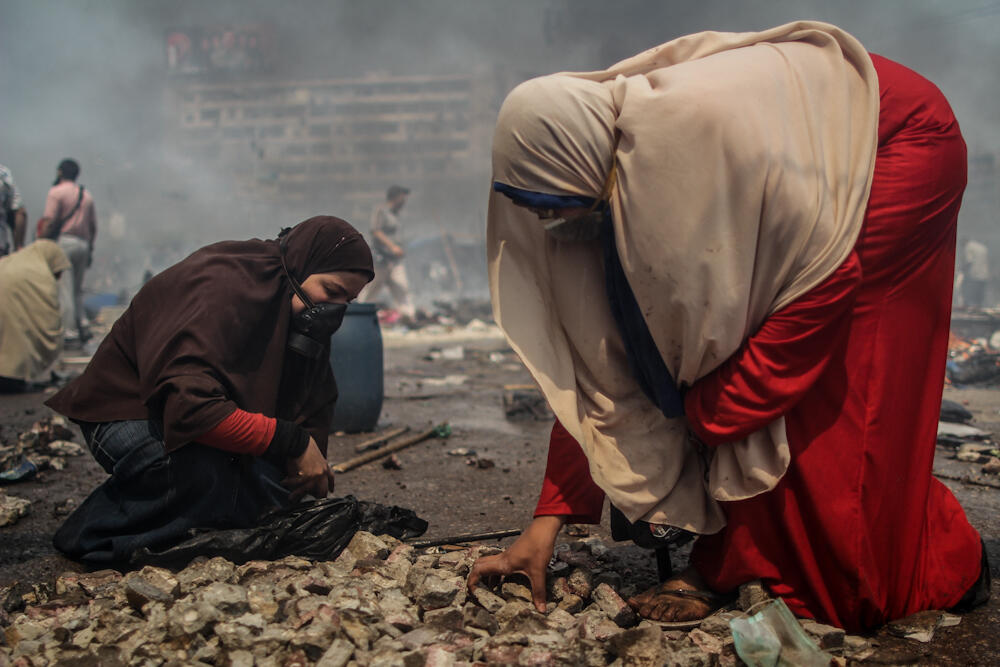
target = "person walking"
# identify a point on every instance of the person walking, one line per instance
(70, 220)
(388, 252)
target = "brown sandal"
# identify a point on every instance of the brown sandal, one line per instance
(717, 601)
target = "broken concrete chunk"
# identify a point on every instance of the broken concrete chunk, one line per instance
(511, 609)
(477, 617)
(433, 592)
(448, 618)
(511, 590)
(365, 545)
(337, 655)
(571, 603)
(188, 617)
(597, 626)
(488, 600)
(203, 572)
(827, 636)
(708, 643)
(640, 646)
(611, 604)
(227, 598)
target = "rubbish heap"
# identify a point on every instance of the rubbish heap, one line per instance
(45, 446)
(380, 603)
(974, 361)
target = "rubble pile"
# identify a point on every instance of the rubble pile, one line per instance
(381, 602)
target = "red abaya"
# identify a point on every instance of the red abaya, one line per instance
(857, 532)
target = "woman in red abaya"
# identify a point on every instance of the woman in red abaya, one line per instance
(855, 531)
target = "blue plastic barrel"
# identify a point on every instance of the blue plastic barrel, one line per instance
(356, 358)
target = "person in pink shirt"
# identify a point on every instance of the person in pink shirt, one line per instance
(69, 219)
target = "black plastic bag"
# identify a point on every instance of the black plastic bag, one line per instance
(317, 530)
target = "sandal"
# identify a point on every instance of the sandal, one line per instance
(717, 601)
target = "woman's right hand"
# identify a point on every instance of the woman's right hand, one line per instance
(529, 555)
(309, 473)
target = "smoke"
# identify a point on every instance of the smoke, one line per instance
(87, 79)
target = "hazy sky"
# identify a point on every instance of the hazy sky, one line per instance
(85, 78)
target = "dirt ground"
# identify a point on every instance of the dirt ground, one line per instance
(424, 389)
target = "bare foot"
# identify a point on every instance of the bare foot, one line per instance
(658, 604)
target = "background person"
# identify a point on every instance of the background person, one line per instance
(30, 320)
(13, 217)
(975, 265)
(389, 253)
(210, 400)
(69, 218)
(740, 328)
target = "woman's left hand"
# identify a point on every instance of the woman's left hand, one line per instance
(309, 474)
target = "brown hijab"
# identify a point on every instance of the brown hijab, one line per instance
(208, 335)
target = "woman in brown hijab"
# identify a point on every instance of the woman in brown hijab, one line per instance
(210, 400)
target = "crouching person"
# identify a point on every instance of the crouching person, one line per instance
(30, 322)
(210, 400)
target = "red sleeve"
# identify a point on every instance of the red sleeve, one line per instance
(241, 432)
(777, 365)
(568, 488)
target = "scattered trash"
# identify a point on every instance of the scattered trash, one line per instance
(525, 401)
(497, 357)
(461, 451)
(992, 466)
(576, 529)
(44, 446)
(392, 463)
(446, 381)
(922, 625)
(976, 452)
(971, 362)
(12, 509)
(454, 353)
(64, 507)
(22, 472)
(773, 636)
(482, 464)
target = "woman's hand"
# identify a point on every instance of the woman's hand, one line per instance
(309, 474)
(529, 555)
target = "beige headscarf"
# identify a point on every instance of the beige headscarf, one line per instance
(30, 324)
(744, 163)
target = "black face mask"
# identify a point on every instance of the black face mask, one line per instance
(312, 328)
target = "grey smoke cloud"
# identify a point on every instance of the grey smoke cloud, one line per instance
(85, 78)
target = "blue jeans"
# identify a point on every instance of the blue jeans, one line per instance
(154, 499)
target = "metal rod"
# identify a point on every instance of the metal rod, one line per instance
(460, 539)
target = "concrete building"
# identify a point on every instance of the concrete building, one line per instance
(343, 141)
